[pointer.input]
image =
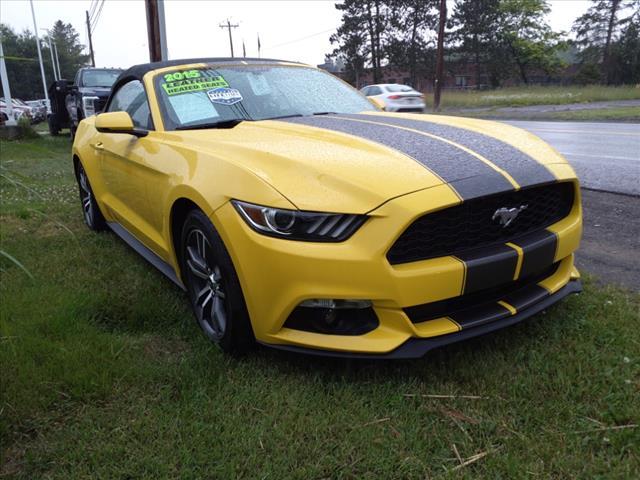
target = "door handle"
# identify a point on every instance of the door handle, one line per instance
(98, 146)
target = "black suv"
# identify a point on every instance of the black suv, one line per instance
(89, 93)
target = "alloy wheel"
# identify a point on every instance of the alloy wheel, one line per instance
(86, 196)
(205, 280)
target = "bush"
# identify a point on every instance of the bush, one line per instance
(25, 129)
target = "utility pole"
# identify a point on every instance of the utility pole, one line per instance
(35, 29)
(440, 56)
(55, 49)
(93, 62)
(156, 30)
(229, 27)
(11, 119)
(53, 62)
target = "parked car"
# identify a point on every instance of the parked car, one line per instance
(19, 110)
(38, 109)
(88, 94)
(296, 214)
(396, 97)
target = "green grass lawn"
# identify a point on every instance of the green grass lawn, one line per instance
(617, 114)
(526, 96)
(106, 375)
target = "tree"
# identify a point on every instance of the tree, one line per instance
(473, 24)
(442, 21)
(506, 37)
(599, 28)
(410, 23)
(626, 53)
(362, 20)
(527, 37)
(351, 48)
(70, 50)
(21, 56)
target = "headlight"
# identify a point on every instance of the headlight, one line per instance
(298, 225)
(89, 106)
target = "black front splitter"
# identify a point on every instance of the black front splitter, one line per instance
(418, 347)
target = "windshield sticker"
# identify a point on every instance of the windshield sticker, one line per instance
(193, 108)
(177, 83)
(224, 96)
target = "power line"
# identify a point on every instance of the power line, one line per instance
(97, 16)
(303, 38)
(92, 8)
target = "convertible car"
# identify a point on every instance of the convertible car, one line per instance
(297, 214)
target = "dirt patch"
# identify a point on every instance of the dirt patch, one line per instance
(610, 248)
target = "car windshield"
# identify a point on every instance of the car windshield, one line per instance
(202, 97)
(399, 88)
(99, 78)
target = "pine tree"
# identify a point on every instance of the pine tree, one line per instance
(599, 28)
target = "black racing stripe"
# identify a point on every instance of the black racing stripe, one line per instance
(538, 251)
(524, 298)
(489, 267)
(469, 176)
(524, 169)
(473, 317)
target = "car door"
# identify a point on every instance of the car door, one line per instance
(127, 168)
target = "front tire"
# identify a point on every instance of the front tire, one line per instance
(92, 215)
(213, 286)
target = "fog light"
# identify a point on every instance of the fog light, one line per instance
(331, 316)
(331, 303)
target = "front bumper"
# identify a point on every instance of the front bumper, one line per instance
(277, 275)
(418, 347)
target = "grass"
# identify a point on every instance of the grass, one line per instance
(618, 114)
(527, 96)
(105, 375)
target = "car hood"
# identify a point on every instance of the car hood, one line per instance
(95, 91)
(354, 163)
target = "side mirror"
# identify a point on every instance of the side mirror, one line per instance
(377, 102)
(118, 122)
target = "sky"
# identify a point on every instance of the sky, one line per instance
(291, 30)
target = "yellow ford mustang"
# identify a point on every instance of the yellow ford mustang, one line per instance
(298, 215)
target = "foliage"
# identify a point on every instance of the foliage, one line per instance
(409, 37)
(607, 35)
(21, 57)
(360, 36)
(506, 37)
(26, 130)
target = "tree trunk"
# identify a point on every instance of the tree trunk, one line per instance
(440, 56)
(476, 48)
(412, 52)
(372, 41)
(378, 42)
(607, 47)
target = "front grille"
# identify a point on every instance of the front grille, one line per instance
(100, 103)
(469, 225)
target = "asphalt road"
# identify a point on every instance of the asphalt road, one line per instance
(606, 156)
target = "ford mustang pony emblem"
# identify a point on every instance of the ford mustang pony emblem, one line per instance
(506, 215)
